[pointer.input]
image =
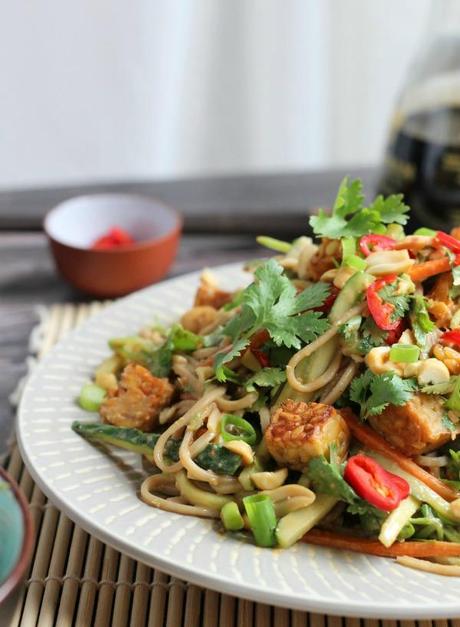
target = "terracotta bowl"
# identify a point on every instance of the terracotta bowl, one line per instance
(16, 535)
(74, 225)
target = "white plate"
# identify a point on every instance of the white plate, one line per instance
(99, 492)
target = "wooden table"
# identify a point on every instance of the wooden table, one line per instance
(222, 215)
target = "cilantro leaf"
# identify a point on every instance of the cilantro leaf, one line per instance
(349, 218)
(374, 392)
(327, 478)
(448, 424)
(159, 361)
(214, 338)
(453, 465)
(371, 336)
(420, 321)
(224, 358)
(400, 302)
(456, 276)
(287, 331)
(370, 518)
(311, 297)
(440, 388)
(391, 209)
(267, 378)
(271, 303)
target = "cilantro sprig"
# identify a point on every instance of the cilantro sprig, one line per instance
(374, 392)
(350, 218)
(272, 303)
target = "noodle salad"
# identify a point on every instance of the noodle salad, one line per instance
(319, 404)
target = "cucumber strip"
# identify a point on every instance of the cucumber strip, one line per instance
(295, 524)
(397, 519)
(214, 457)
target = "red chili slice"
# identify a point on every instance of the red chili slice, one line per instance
(394, 335)
(114, 238)
(261, 357)
(257, 341)
(451, 337)
(380, 311)
(371, 243)
(450, 242)
(374, 484)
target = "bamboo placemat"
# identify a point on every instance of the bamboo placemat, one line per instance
(76, 580)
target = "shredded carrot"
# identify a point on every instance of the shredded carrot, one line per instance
(375, 442)
(422, 271)
(429, 548)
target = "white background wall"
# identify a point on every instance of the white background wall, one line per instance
(106, 89)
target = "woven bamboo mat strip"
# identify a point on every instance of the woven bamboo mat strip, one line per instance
(76, 580)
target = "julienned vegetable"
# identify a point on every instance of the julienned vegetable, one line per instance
(262, 518)
(374, 484)
(274, 244)
(236, 428)
(91, 397)
(214, 457)
(348, 542)
(395, 522)
(381, 312)
(422, 271)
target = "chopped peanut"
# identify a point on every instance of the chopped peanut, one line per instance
(449, 356)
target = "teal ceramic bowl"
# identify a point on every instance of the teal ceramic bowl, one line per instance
(16, 535)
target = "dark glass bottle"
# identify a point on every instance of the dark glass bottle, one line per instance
(423, 154)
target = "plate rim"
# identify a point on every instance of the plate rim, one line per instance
(190, 573)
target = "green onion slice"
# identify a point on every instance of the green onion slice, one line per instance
(91, 397)
(236, 428)
(274, 244)
(425, 231)
(262, 518)
(231, 517)
(355, 262)
(404, 353)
